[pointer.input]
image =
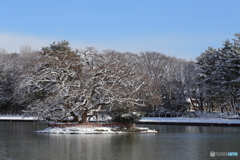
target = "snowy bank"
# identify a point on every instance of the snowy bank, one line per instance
(156, 120)
(197, 121)
(96, 130)
(17, 118)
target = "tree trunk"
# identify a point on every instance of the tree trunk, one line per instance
(75, 118)
(84, 117)
(194, 107)
(201, 104)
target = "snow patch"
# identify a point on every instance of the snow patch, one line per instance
(190, 120)
(16, 117)
(97, 130)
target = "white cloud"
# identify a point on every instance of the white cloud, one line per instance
(13, 42)
(181, 46)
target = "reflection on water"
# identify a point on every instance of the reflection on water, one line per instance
(174, 142)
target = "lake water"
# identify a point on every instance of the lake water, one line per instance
(18, 142)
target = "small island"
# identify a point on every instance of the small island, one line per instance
(93, 128)
(119, 121)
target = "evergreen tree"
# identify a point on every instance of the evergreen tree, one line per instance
(218, 72)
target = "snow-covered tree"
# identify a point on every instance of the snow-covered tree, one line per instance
(66, 84)
(5, 90)
(177, 84)
(218, 72)
(171, 80)
(10, 64)
(153, 65)
(208, 72)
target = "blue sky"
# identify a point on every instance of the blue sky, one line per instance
(180, 28)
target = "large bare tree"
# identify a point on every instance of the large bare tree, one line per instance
(73, 84)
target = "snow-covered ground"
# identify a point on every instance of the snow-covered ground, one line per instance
(215, 118)
(16, 117)
(202, 118)
(197, 117)
(97, 130)
(190, 120)
(20, 117)
(205, 114)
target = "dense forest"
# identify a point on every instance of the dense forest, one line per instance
(58, 82)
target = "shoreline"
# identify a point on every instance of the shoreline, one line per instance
(152, 120)
(17, 118)
(191, 121)
(191, 124)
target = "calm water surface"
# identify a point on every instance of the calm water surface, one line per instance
(18, 142)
